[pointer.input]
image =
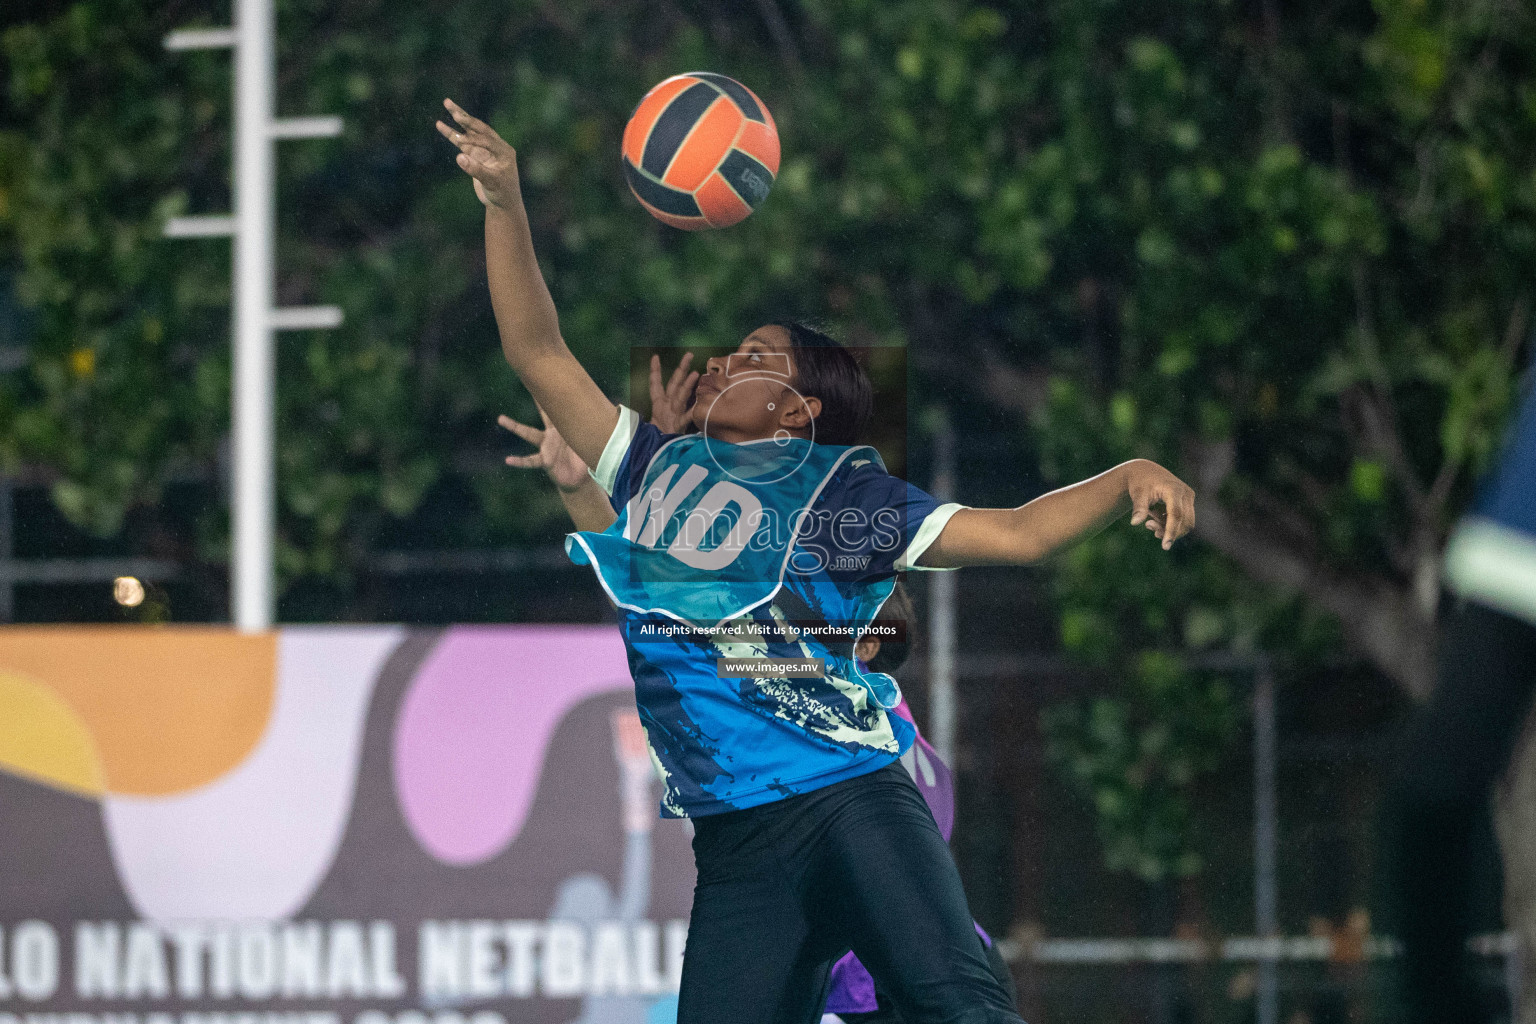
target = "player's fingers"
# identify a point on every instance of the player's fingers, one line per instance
(680, 373)
(1185, 499)
(455, 111)
(453, 135)
(473, 146)
(459, 114)
(1173, 522)
(1182, 513)
(688, 386)
(476, 150)
(1140, 508)
(525, 461)
(532, 435)
(472, 125)
(657, 391)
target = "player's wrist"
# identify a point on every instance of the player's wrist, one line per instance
(504, 204)
(1130, 470)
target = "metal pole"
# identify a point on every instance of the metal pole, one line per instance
(253, 513)
(941, 612)
(1265, 844)
(254, 319)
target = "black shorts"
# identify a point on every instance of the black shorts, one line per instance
(787, 888)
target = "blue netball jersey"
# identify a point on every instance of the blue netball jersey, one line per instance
(771, 549)
(1491, 558)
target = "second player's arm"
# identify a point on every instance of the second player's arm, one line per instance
(583, 499)
(525, 311)
(1032, 532)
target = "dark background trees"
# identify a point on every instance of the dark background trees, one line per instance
(1283, 248)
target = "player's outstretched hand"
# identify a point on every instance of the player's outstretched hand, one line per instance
(669, 405)
(484, 156)
(1149, 485)
(554, 456)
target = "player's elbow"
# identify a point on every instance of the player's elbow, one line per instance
(543, 367)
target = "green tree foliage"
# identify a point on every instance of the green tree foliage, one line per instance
(1136, 757)
(120, 386)
(1289, 252)
(1289, 267)
(1285, 251)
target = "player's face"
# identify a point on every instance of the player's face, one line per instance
(749, 394)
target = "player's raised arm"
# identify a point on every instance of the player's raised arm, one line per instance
(525, 312)
(1032, 532)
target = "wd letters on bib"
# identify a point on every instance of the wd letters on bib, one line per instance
(775, 549)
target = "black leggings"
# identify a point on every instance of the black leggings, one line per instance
(786, 888)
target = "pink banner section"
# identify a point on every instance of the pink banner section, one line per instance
(475, 724)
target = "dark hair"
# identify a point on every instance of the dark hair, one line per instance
(893, 653)
(826, 370)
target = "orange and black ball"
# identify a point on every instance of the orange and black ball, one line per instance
(700, 151)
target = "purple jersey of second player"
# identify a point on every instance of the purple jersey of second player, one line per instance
(852, 990)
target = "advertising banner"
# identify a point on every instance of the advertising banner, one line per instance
(332, 825)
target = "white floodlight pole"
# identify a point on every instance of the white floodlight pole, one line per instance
(253, 517)
(254, 319)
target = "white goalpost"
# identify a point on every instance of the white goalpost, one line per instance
(254, 319)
